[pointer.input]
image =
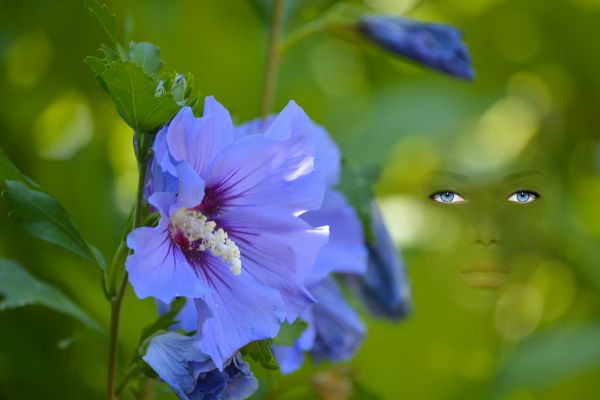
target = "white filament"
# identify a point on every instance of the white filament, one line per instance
(197, 228)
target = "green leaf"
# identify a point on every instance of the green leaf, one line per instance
(147, 56)
(288, 333)
(357, 185)
(261, 352)
(164, 322)
(551, 356)
(42, 216)
(104, 16)
(181, 88)
(98, 65)
(134, 93)
(20, 289)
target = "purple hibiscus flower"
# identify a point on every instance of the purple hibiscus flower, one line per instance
(437, 46)
(229, 235)
(334, 330)
(192, 375)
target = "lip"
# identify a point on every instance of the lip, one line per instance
(485, 274)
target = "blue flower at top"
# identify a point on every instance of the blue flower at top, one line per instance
(192, 375)
(437, 46)
(229, 235)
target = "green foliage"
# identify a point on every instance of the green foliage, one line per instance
(20, 288)
(261, 352)
(42, 216)
(104, 16)
(162, 323)
(147, 56)
(134, 93)
(138, 368)
(357, 184)
(549, 357)
(288, 333)
(144, 98)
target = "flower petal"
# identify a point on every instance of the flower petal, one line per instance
(437, 46)
(278, 249)
(160, 147)
(327, 158)
(384, 288)
(177, 361)
(156, 267)
(275, 169)
(346, 251)
(190, 188)
(244, 311)
(339, 328)
(198, 140)
(193, 375)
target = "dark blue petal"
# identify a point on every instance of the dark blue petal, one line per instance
(334, 332)
(437, 46)
(339, 328)
(192, 375)
(384, 289)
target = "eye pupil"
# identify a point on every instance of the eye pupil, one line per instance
(523, 196)
(447, 196)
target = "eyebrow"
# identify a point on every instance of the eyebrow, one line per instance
(449, 174)
(522, 174)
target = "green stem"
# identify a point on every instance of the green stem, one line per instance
(117, 300)
(301, 33)
(273, 58)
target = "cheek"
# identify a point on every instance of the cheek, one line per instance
(526, 227)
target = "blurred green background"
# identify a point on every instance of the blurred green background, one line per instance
(537, 85)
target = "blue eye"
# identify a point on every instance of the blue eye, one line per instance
(447, 197)
(523, 196)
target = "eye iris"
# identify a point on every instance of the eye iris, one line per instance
(523, 196)
(447, 197)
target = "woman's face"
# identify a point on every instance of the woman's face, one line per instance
(497, 217)
(479, 228)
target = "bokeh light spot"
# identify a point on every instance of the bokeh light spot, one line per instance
(64, 127)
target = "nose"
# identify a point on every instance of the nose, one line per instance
(486, 232)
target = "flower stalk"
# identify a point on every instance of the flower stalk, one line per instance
(273, 59)
(143, 142)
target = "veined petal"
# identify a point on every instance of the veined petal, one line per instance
(328, 159)
(256, 171)
(345, 252)
(160, 148)
(191, 188)
(291, 358)
(294, 128)
(193, 375)
(244, 311)
(198, 140)
(278, 249)
(339, 329)
(384, 288)
(177, 361)
(156, 267)
(334, 330)
(187, 319)
(157, 180)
